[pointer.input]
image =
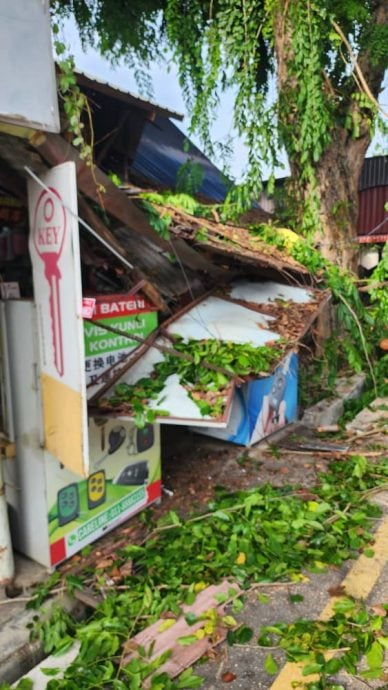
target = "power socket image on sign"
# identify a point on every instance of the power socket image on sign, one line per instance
(96, 489)
(68, 504)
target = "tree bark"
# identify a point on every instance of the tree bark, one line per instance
(338, 174)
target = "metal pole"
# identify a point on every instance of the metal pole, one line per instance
(7, 568)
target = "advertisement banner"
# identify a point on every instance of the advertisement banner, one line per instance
(131, 315)
(55, 256)
(262, 406)
(124, 478)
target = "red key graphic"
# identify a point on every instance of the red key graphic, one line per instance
(49, 235)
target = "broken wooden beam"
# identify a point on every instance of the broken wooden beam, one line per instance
(55, 150)
(137, 276)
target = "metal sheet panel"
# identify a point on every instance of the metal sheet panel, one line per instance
(372, 216)
(269, 291)
(219, 319)
(374, 172)
(28, 94)
(92, 82)
(161, 153)
(174, 397)
(24, 476)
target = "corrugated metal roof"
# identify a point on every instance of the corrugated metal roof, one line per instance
(109, 89)
(374, 172)
(161, 152)
(372, 216)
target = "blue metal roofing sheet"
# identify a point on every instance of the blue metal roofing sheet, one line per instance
(161, 153)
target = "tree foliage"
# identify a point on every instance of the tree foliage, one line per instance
(327, 59)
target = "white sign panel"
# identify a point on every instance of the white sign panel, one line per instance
(28, 93)
(54, 248)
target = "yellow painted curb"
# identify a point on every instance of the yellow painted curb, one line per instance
(358, 583)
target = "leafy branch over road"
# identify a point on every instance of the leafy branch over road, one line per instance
(256, 536)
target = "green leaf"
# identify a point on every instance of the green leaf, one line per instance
(372, 673)
(360, 465)
(237, 605)
(344, 605)
(221, 515)
(74, 582)
(24, 684)
(221, 598)
(244, 634)
(309, 669)
(174, 518)
(166, 624)
(231, 637)
(64, 646)
(50, 671)
(190, 598)
(271, 665)
(191, 618)
(375, 656)
(187, 679)
(147, 597)
(333, 666)
(229, 621)
(187, 640)
(369, 553)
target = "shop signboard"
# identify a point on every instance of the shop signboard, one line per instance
(55, 255)
(124, 314)
(247, 312)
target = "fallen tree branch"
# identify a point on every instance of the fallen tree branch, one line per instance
(363, 341)
(357, 68)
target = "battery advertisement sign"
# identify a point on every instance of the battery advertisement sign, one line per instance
(103, 347)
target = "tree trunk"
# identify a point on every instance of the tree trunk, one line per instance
(338, 169)
(338, 173)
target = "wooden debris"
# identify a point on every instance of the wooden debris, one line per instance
(229, 241)
(330, 429)
(100, 228)
(160, 640)
(87, 597)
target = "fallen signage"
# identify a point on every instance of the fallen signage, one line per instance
(245, 409)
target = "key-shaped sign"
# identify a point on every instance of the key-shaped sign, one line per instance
(49, 230)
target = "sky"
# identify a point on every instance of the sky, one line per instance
(167, 93)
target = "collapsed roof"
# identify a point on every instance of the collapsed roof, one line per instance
(197, 254)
